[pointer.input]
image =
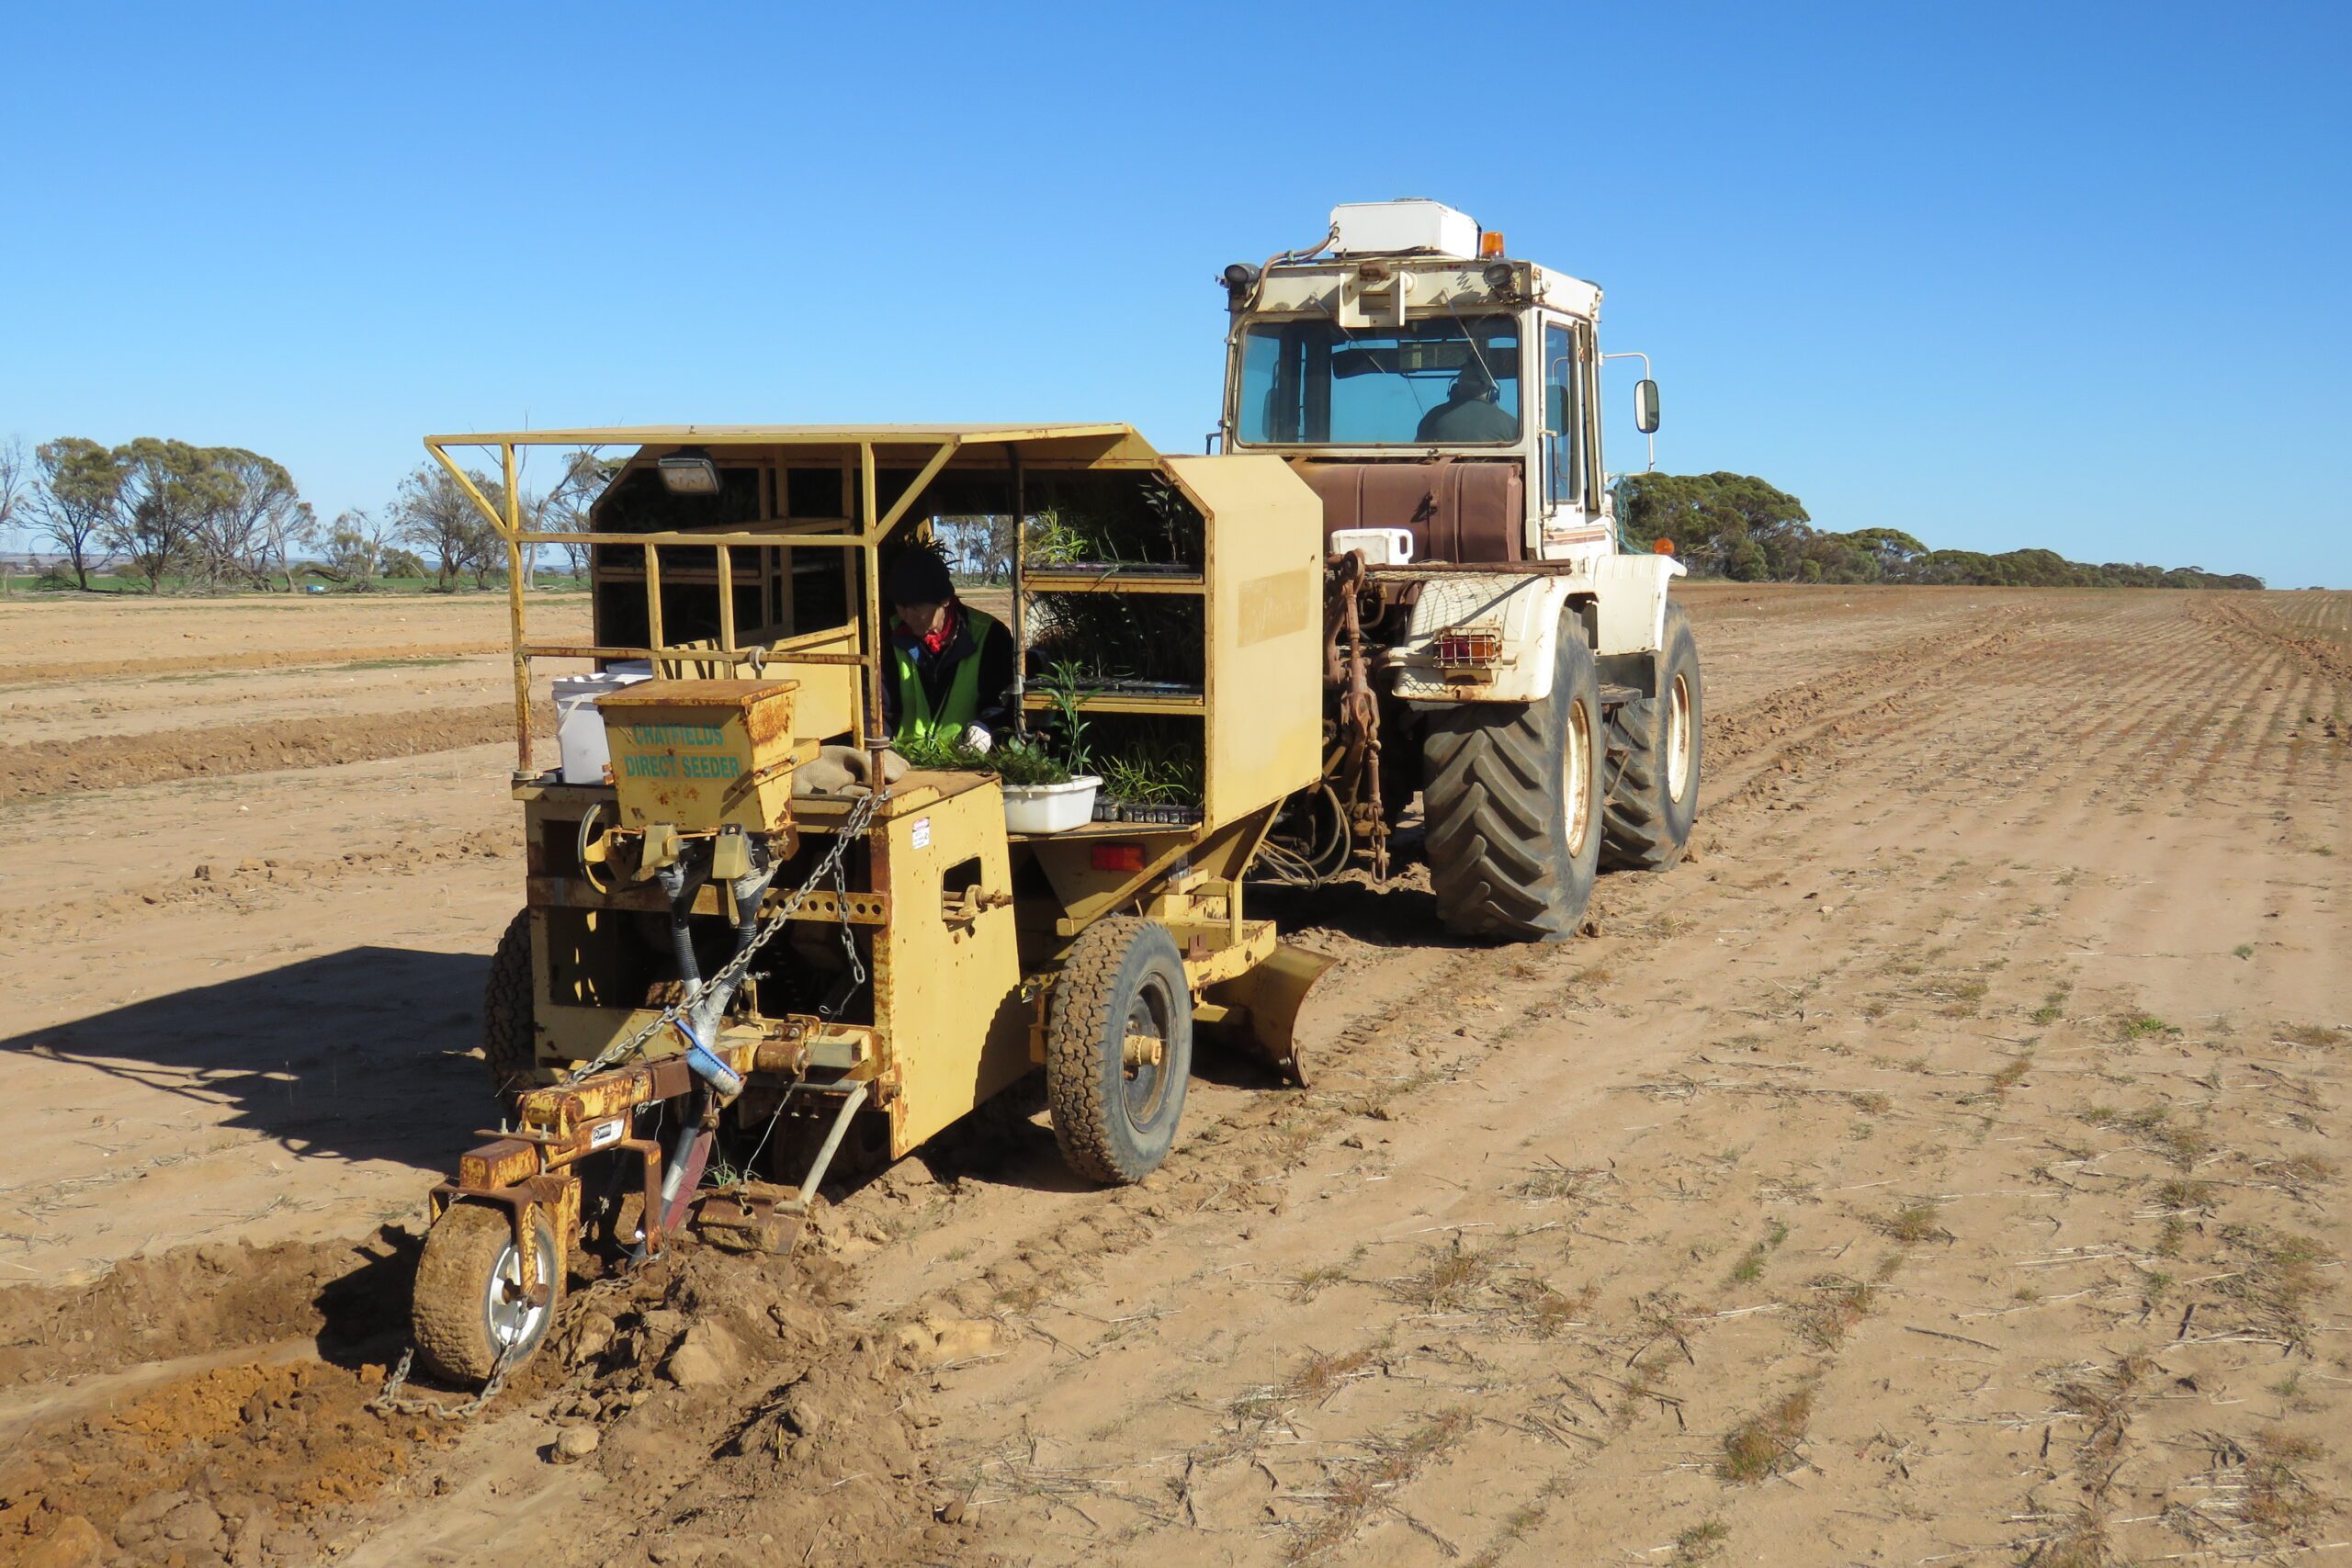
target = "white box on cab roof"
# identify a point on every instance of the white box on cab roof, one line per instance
(1389, 228)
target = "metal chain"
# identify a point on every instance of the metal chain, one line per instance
(849, 937)
(852, 827)
(393, 1402)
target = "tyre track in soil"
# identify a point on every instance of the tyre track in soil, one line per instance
(120, 761)
(1389, 1044)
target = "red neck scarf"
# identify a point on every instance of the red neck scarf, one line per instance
(948, 625)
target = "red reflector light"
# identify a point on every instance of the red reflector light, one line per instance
(1452, 648)
(1118, 857)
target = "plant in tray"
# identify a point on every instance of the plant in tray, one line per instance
(1020, 763)
(1054, 541)
(1066, 688)
(1147, 527)
(1150, 780)
(1014, 760)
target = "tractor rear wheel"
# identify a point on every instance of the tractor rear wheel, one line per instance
(1653, 751)
(507, 1016)
(1119, 1049)
(470, 1309)
(1511, 796)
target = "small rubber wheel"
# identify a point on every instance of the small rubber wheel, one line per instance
(508, 1019)
(1119, 1049)
(469, 1307)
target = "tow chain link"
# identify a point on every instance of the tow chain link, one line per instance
(391, 1400)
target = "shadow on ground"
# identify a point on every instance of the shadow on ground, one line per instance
(362, 1054)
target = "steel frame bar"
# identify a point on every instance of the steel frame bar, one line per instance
(868, 530)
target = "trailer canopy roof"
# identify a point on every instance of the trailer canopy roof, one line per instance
(1044, 440)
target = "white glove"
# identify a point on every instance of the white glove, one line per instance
(977, 738)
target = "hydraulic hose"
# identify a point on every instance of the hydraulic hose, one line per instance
(747, 890)
(680, 881)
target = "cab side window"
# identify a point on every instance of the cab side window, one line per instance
(1563, 417)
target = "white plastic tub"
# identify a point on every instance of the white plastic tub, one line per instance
(580, 728)
(1050, 808)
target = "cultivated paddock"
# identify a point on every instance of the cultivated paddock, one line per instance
(1946, 1166)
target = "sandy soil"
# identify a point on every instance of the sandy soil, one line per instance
(1945, 1167)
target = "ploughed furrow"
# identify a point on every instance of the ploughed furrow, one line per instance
(2327, 653)
(244, 659)
(2082, 702)
(1748, 744)
(242, 886)
(120, 761)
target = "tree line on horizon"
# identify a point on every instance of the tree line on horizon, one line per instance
(212, 518)
(1739, 527)
(208, 519)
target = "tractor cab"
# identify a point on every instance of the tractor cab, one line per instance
(1440, 397)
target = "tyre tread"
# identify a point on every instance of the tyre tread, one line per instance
(1085, 994)
(1488, 793)
(1637, 829)
(447, 1315)
(509, 1043)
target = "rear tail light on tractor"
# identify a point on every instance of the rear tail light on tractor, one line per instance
(1453, 650)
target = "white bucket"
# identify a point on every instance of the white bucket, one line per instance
(580, 728)
(1050, 808)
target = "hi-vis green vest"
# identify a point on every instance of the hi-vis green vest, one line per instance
(961, 709)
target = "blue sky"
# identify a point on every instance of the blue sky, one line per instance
(2064, 275)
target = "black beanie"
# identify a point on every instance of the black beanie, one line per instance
(919, 577)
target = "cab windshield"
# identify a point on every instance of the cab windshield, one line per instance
(1316, 383)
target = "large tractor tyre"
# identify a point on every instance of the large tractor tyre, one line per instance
(1653, 754)
(1119, 1049)
(470, 1314)
(1511, 798)
(507, 1014)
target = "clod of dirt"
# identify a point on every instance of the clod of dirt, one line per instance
(706, 1357)
(936, 1341)
(576, 1443)
(75, 1543)
(592, 1337)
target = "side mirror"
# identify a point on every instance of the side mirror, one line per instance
(1646, 406)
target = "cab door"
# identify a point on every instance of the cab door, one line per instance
(1573, 523)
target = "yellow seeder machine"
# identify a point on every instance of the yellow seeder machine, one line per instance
(759, 935)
